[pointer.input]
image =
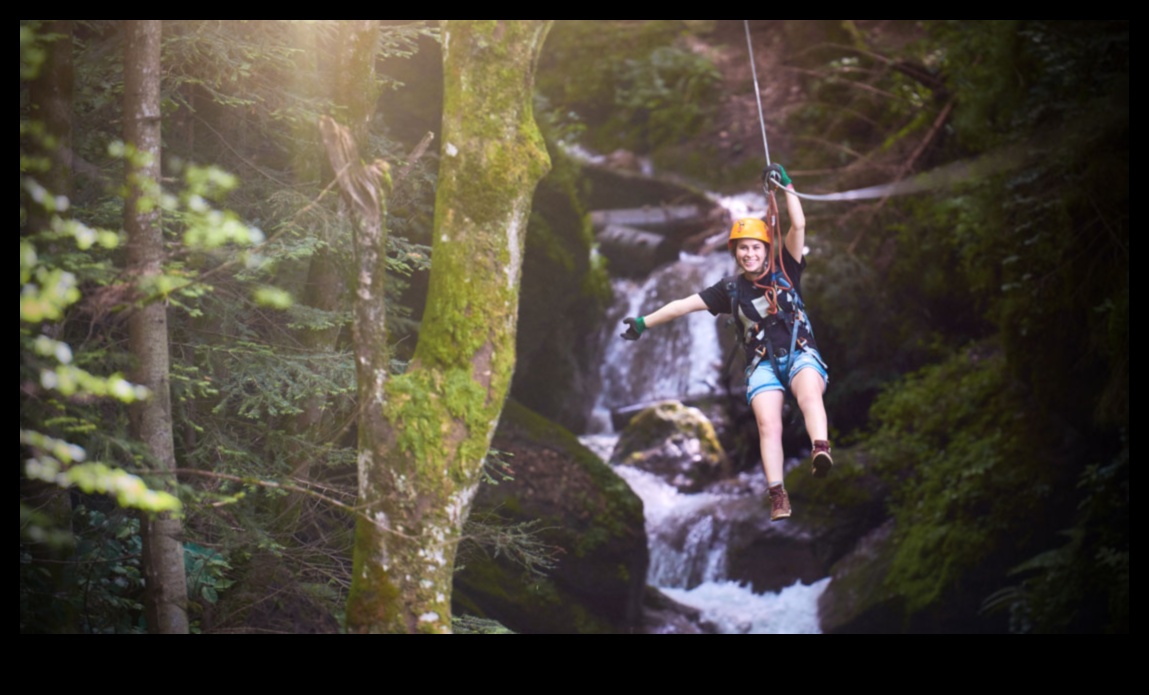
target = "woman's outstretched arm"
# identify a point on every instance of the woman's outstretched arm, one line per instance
(635, 325)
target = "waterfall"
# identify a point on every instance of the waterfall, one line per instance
(680, 360)
(688, 535)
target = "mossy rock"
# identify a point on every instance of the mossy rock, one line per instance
(841, 508)
(583, 509)
(857, 599)
(675, 442)
(563, 299)
(861, 599)
(830, 516)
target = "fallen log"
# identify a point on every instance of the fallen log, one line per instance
(634, 253)
(668, 217)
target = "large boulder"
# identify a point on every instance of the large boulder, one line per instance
(583, 511)
(675, 442)
(563, 299)
(663, 615)
(857, 600)
(861, 600)
(566, 278)
(830, 516)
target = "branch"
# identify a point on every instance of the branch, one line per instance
(942, 117)
(279, 486)
(359, 184)
(241, 158)
(415, 155)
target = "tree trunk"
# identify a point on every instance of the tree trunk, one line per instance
(354, 87)
(424, 434)
(165, 581)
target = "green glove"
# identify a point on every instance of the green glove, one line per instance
(634, 328)
(776, 174)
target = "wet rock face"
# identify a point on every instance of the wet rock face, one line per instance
(676, 443)
(582, 509)
(857, 601)
(662, 615)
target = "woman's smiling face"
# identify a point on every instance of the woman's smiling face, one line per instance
(750, 255)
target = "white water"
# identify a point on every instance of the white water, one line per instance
(688, 535)
(735, 610)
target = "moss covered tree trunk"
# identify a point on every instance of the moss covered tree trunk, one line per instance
(423, 435)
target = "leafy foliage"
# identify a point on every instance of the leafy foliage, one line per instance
(653, 92)
(1004, 297)
(1064, 216)
(106, 571)
(1083, 585)
(967, 468)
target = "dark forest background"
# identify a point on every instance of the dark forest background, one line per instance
(978, 330)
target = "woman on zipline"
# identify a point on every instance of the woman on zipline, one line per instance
(765, 298)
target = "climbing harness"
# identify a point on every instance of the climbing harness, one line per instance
(754, 335)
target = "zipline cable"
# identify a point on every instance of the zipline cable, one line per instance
(771, 202)
(757, 95)
(941, 177)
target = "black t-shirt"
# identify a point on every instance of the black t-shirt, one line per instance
(753, 306)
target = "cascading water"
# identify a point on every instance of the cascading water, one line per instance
(689, 533)
(683, 362)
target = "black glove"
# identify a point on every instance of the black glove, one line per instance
(776, 174)
(634, 328)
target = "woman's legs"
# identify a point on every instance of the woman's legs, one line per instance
(767, 407)
(807, 387)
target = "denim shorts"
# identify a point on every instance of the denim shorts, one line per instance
(764, 378)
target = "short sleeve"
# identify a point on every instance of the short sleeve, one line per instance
(716, 298)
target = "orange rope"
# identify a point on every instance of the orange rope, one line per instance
(773, 228)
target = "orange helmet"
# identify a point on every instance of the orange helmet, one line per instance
(748, 228)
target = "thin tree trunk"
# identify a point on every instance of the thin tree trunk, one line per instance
(423, 435)
(324, 287)
(165, 580)
(354, 88)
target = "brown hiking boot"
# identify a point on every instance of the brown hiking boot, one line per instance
(821, 458)
(779, 503)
